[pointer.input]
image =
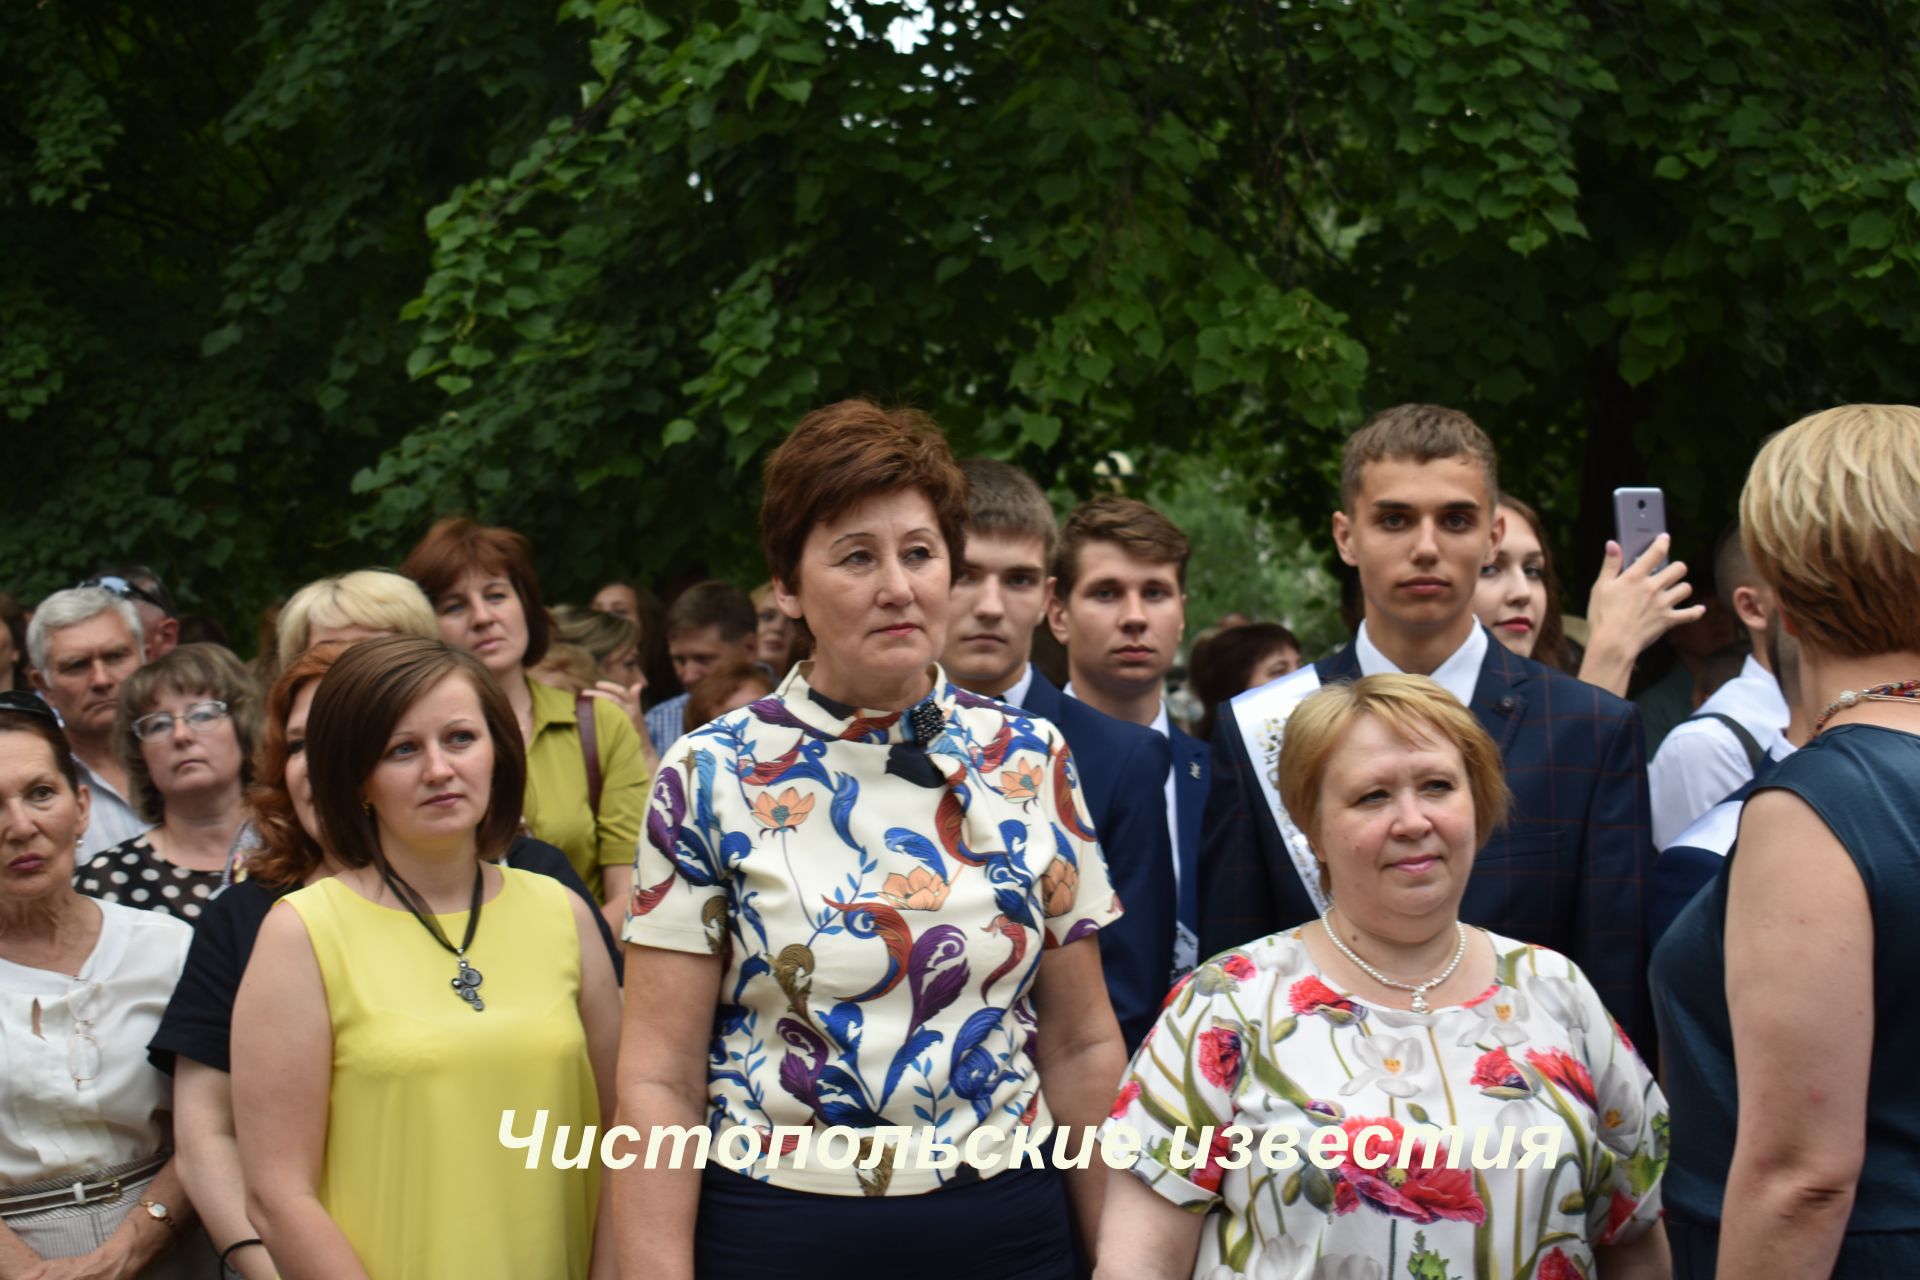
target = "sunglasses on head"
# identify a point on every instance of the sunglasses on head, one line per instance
(21, 700)
(127, 591)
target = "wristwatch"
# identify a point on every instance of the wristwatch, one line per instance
(160, 1214)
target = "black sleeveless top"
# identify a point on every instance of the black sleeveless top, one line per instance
(1864, 783)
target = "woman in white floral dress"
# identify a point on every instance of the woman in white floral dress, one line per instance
(1493, 1123)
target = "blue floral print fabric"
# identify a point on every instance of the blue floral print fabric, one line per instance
(882, 898)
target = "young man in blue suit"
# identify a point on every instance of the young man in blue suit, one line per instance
(999, 597)
(1418, 489)
(1118, 602)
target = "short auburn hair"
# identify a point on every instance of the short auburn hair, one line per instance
(457, 544)
(838, 457)
(288, 852)
(1004, 502)
(719, 686)
(1129, 524)
(1830, 517)
(1416, 433)
(1417, 711)
(354, 710)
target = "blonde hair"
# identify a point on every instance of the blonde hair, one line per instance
(372, 598)
(1417, 711)
(1830, 518)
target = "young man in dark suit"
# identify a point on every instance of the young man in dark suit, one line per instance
(1418, 489)
(999, 597)
(1118, 602)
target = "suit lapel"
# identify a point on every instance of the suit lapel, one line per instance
(1500, 694)
(1043, 698)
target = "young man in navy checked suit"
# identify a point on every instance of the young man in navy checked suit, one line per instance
(1118, 602)
(999, 597)
(1418, 489)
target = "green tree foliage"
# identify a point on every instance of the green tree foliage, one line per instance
(289, 279)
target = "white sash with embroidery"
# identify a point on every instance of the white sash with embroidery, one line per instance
(1261, 715)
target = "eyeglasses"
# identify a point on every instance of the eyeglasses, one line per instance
(199, 716)
(21, 700)
(119, 586)
(83, 1051)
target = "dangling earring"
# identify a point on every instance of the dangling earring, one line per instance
(367, 806)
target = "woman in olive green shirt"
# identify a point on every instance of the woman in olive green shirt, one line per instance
(486, 599)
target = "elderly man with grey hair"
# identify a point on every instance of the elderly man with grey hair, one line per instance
(83, 642)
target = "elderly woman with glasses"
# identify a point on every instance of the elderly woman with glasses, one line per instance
(86, 1177)
(185, 733)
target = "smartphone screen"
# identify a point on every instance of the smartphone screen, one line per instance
(1639, 516)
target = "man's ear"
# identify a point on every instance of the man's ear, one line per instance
(1499, 530)
(1056, 611)
(39, 681)
(1343, 537)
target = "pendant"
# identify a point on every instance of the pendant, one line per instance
(1419, 1002)
(466, 985)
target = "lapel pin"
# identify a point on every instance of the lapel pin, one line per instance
(1193, 768)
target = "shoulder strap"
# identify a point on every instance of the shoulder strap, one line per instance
(1756, 754)
(589, 748)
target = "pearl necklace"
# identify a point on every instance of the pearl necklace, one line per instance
(1419, 989)
(1905, 691)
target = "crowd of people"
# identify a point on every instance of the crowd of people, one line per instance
(911, 845)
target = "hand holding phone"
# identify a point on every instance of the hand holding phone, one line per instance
(1639, 516)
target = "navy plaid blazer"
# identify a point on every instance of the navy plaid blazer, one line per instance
(1567, 871)
(1123, 774)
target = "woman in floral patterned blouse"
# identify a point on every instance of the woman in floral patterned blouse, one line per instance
(865, 904)
(1476, 1046)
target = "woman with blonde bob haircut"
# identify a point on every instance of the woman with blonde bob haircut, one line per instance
(353, 606)
(1430, 1046)
(1781, 988)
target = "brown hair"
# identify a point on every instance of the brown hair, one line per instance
(1414, 708)
(1003, 501)
(456, 545)
(44, 727)
(1128, 523)
(288, 852)
(713, 603)
(717, 686)
(838, 457)
(189, 669)
(1221, 664)
(354, 711)
(1549, 647)
(1416, 433)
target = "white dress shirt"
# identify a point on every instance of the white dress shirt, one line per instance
(111, 819)
(1017, 695)
(1458, 675)
(1701, 762)
(52, 1126)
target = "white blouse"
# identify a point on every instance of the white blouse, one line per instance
(52, 1125)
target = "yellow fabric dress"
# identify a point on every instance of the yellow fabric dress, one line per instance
(415, 1174)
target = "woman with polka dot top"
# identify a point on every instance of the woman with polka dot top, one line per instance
(185, 732)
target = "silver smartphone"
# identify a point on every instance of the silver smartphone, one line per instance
(1639, 516)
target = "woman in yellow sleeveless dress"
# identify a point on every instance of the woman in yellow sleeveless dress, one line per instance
(391, 1016)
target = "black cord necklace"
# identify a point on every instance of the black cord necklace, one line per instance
(466, 983)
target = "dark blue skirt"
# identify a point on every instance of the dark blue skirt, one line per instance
(1015, 1226)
